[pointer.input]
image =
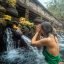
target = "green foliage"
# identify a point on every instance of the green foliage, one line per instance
(57, 8)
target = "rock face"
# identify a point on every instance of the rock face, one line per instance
(9, 7)
(2, 9)
(12, 11)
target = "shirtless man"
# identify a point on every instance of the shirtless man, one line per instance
(49, 42)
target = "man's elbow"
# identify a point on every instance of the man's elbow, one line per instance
(33, 43)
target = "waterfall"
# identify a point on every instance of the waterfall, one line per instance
(13, 55)
(9, 40)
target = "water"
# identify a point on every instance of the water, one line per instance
(61, 43)
(9, 40)
(61, 39)
(23, 55)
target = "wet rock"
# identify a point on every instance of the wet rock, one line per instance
(10, 9)
(2, 9)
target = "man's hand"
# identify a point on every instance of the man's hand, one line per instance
(38, 28)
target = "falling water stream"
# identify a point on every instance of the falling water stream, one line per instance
(9, 40)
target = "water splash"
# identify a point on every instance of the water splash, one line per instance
(61, 39)
(61, 43)
(23, 56)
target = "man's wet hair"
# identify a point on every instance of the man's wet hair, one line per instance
(46, 26)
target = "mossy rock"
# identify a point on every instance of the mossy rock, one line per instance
(12, 11)
(8, 2)
(10, 7)
(11, 3)
(3, 22)
(2, 9)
